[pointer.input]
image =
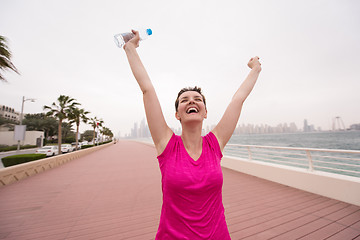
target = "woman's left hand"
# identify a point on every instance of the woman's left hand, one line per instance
(254, 63)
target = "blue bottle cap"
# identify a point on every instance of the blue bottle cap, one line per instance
(148, 31)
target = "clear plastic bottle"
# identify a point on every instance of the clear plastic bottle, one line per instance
(122, 38)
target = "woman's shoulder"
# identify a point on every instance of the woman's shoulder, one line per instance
(213, 142)
(210, 136)
(169, 144)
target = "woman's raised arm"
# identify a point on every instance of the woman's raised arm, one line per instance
(225, 128)
(160, 132)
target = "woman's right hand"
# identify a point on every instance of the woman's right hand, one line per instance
(134, 41)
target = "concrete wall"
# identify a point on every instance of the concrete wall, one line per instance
(339, 187)
(19, 172)
(7, 138)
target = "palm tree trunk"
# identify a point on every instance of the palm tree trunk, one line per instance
(77, 136)
(46, 136)
(59, 136)
(94, 137)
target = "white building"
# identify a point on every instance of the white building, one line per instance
(9, 113)
(31, 138)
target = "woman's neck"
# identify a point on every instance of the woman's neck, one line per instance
(191, 137)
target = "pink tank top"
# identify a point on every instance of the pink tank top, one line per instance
(192, 192)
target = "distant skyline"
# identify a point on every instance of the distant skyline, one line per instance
(308, 50)
(140, 128)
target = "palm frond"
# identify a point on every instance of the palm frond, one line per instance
(5, 58)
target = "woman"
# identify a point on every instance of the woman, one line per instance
(190, 164)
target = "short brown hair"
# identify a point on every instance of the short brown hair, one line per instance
(195, 89)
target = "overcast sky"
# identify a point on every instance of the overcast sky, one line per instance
(309, 52)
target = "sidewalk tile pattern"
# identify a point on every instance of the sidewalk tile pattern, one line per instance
(115, 193)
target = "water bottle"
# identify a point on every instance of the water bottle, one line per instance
(122, 38)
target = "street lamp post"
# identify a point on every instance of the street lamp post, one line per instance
(22, 113)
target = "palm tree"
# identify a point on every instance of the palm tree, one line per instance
(107, 132)
(76, 116)
(66, 130)
(61, 111)
(5, 58)
(102, 131)
(94, 122)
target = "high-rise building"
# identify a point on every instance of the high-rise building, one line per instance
(264, 128)
(134, 131)
(306, 126)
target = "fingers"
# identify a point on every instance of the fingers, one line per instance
(134, 32)
(136, 38)
(255, 59)
(254, 62)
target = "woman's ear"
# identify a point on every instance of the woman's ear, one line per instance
(177, 116)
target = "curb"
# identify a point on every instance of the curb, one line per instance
(19, 172)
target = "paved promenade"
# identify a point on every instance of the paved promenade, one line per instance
(115, 193)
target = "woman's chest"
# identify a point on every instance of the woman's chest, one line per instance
(184, 174)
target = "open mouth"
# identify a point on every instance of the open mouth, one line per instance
(192, 110)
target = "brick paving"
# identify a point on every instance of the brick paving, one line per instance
(115, 193)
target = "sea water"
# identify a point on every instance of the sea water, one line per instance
(348, 140)
(344, 140)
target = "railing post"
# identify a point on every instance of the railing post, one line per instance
(311, 167)
(249, 151)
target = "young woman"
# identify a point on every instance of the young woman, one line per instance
(190, 164)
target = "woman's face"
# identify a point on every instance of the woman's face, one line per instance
(191, 107)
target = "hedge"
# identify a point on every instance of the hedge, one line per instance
(105, 142)
(11, 148)
(86, 146)
(21, 158)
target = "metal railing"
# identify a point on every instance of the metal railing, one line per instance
(345, 162)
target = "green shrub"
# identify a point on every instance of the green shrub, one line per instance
(105, 142)
(86, 146)
(12, 148)
(8, 148)
(21, 158)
